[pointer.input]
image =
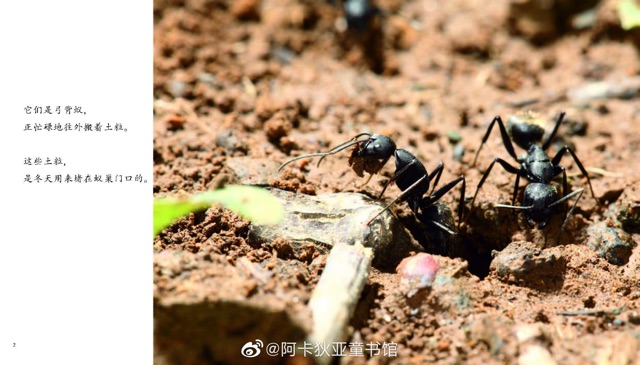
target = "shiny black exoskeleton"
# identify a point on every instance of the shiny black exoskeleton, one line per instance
(359, 14)
(363, 28)
(541, 200)
(372, 153)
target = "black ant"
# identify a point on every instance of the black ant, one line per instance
(540, 199)
(372, 153)
(363, 28)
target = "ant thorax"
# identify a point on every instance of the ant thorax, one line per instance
(414, 169)
(537, 165)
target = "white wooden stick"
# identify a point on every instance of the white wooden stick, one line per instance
(337, 293)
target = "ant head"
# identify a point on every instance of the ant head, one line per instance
(371, 154)
(377, 147)
(525, 129)
(540, 199)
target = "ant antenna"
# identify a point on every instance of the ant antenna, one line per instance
(442, 227)
(513, 206)
(344, 145)
(566, 197)
(333, 151)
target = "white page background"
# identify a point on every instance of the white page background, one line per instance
(76, 259)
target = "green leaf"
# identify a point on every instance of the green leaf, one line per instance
(629, 13)
(253, 203)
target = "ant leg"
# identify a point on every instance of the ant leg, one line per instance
(557, 169)
(517, 185)
(561, 170)
(505, 165)
(547, 143)
(399, 197)
(434, 197)
(461, 202)
(579, 192)
(435, 174)
(396, 175)
(506, 141)
(566, 219)
(556, 160)
(366, 182)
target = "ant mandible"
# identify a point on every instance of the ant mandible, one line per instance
(540, 197)
(411, 177)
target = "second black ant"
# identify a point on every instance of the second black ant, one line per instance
(541, 199)
(411, 177)
(363, 29)
(359, 14)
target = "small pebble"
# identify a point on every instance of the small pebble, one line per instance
(458, 152)
(454, 137)
(417, 272)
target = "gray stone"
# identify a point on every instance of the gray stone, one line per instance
(610, 243)
(329, 219)
(458, 152)
(525, 264)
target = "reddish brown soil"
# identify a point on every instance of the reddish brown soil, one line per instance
(273, 79)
